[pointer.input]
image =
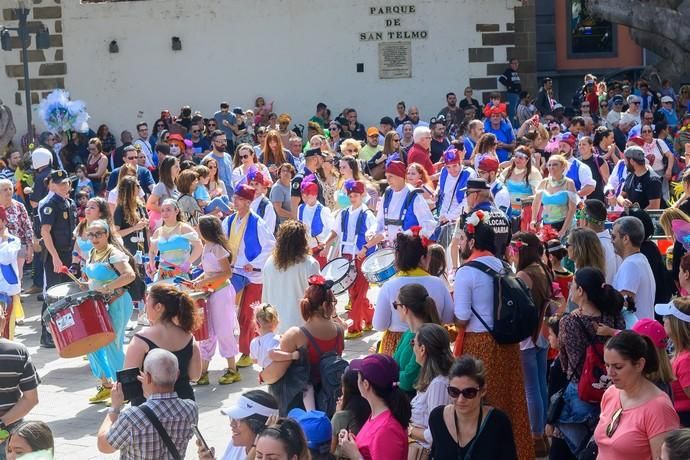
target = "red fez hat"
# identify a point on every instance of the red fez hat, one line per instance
(245, 191)
(309, 185)
(451, 156)
(488, 164)
(637, 140)
(256, 176)
(354, 186)
(396, 168)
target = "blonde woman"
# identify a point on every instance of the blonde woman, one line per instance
(557, 195)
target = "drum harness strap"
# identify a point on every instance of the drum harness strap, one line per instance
(411, 195)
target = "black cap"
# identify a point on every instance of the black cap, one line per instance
(476, 184)
(58, 176)
(314, 152)
(238, 111)
(387, 121)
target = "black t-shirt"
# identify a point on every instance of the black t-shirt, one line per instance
(642, 189)
(495, 440)
(437, 149)
(132, 240)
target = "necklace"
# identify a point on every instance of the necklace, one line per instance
(556, 183)
(101, 254)
(519, 172)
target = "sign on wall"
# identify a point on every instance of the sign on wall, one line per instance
(395, 60)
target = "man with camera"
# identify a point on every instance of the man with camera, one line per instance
(162, 426)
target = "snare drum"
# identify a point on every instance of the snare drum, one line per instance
(380, 266)
(342, 272)
(78, 320)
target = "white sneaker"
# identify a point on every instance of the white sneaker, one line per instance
(143, 320)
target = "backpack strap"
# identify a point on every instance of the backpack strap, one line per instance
(161, 430)
(312, 340)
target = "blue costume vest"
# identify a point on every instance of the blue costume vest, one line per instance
(574, 174)
(316, 222)
(252, 245)
(458, 192)
(407, 218)
(360, 229)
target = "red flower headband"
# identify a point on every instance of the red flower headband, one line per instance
(319, 280)
(415, 231)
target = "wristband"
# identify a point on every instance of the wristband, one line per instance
(114, 410)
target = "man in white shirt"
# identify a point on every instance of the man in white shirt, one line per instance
(577, 170)
(401, 208)
(593, 216)
(143, 143)
(634, 277)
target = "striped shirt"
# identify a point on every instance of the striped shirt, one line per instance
(136, 438)
(17, 373)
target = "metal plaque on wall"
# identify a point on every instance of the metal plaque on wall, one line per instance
(395, 60)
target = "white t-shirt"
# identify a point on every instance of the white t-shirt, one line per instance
(350, 246)
(653, 149)
(260, 347)
(613, 260)
(475, 290)
(233, 452)
(387, 318)
(636, 276)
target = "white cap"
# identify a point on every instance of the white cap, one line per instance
(245, 407)
(670, 309)
(41, 157)
(667, 99)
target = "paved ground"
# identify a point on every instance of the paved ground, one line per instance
(67, 384)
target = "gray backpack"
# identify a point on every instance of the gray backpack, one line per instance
(331, 367)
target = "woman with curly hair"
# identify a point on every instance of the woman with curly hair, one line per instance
(286, 273)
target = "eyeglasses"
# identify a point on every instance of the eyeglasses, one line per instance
(160, 126)
(195, 131)
(467, 393)
(615, 421)
(131, 158)
(92, 235)
(396, 304)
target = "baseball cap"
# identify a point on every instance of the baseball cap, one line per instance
(557, 106)
(617, 99)
(652, 329)
(670, 309)
(667, 99)
(316, 426)
(58, 176)
(314, 152)
(41, 157)
(634, 153)
(633, 98)
(238, 111)
(380, 370)
(245, 407)
(476, 184)
(373, 131)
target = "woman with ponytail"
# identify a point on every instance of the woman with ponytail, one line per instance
(173, 318)
(636, 416)
(222, 315)
(677, 325)
(318, 310)
(415, 307)
(599, 304)
(384, 434)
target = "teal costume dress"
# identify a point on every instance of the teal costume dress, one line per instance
(176, 250)
(106, 361)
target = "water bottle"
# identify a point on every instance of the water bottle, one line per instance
(139, 257)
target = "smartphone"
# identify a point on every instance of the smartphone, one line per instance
(197, 433)
(131, 386)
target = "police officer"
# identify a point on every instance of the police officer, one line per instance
(313, 159)
(58, 220)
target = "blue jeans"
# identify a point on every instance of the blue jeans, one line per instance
(534, 369)
(219, 202)
(513, 101)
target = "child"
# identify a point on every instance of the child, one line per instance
(261, 205)
(556, 378)
(82, 198)
(187, 182)
(83, 182)
(355, 227)
(435, 263)
(264, 349)
(677, 325)
(203, 196)
(316, 217)
(556, 254)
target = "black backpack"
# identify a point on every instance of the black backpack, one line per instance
(515, 316)
(331, 367)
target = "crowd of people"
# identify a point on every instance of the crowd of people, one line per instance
(529, 263)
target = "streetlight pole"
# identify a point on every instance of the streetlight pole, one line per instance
(23, 31)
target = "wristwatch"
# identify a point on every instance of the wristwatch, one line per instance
(114, 410)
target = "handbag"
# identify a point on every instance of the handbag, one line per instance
(416, 451)
(161, 431)
(555, 407)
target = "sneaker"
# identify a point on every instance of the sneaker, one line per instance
(245, 361)
(352, 335)
(102, 395)
(230, 376)
(40, 297)
(203, 380)
(368, 327)
(142, 320)
(33, 290)
(348, 306)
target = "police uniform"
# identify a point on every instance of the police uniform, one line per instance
(61, 214)
(297, 180)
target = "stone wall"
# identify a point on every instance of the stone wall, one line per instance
(47, 68)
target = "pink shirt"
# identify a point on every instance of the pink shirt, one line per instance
(382, 437)
(681, 369)
(636, 426)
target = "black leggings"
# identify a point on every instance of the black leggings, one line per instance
(560, 451)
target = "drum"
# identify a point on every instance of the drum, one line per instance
(342, 272)
(379, 266)
(78, 320)
(200, 297)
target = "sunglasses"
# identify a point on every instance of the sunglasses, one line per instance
(615, 421)
(131, 158)
(244, 157)
(396, 140)
(396, 304)
(644, 131)
(467, 393)
(212, 125)
(92, 235)
(196, 131)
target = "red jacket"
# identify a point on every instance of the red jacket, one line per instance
(417, 154)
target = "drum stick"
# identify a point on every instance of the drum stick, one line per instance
(65, 271)
(242, 268)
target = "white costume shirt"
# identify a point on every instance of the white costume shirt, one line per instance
(450, 208)
(502, 196)
(421, 211)
(385, 316)
(8, 256)
(307, 219)
(269, 214)
(350, 246)
(584, 173)
(267, 241)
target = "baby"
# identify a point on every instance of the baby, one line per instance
(264, 349)
(203, 196)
